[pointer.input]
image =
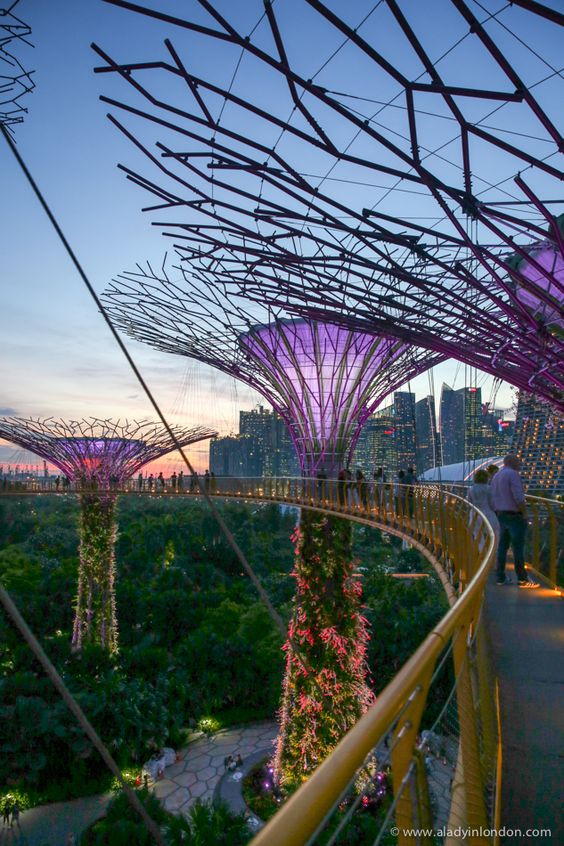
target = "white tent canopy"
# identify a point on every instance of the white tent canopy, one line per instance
(461, 472)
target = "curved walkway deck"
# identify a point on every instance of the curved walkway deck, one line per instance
(527, 635)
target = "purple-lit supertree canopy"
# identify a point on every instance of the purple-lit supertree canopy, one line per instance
(15, 81)
(98, 456)
(384, 172)
(324, 381)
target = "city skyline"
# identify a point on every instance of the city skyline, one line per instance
(11, 455)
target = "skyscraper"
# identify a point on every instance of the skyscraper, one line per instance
(427, 445)
(460, 423)
(277, 456)
(236, 455)
(376, 446)
(539, 443)
(404, 429)
(497, 431)
(260, 424)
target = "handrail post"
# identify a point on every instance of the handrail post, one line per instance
(473, 783)
(403, 745)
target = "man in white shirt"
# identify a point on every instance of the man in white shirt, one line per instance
(511, 508)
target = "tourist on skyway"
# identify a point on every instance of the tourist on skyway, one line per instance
(492, 469)
(511, 509)
(379, 482)
(410, 479)
(362, 489)
(399, 492)
(480, 495)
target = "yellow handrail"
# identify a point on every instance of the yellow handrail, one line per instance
(467, 532)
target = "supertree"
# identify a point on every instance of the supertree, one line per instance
(15, 81)
(98, 456)
(398, 176)
(324, 381)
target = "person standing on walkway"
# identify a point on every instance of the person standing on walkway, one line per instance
(410, 479)
(480, 495)
(15, 815)
(6, 811)
(508, 498)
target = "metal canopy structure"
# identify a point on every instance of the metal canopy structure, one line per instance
(323, 380)
(380, 167)
(94, 451)
(15, 81)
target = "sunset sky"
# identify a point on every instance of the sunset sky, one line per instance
(57, 357)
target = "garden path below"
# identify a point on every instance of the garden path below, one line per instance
(193, 777)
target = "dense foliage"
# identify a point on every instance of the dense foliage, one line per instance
(324, 688)
(205, 824)
(95, 611)
(194, 640)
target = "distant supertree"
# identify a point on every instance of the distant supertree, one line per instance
(324, 381)
(98, 456)
(399, 176)
(15, 81)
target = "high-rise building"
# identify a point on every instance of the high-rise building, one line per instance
(260, 424)
(472, 415)
(497, 431)
(539, 443)
(236, 455)
(404, 429)
(452, 430)
(426, 436)
(277, 455)
(376, 445)
(263, 447)
(461, 424)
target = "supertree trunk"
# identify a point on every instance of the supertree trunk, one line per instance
(95, 612)
(321, 703)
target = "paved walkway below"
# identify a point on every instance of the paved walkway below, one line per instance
(527, 635)
(194, 776)
(202, 764)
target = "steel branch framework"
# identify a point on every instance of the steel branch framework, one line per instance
(94, 451)
(354, 173)
(15, 81)
(322, 379)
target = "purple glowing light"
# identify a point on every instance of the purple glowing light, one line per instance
(329, 379)
(103, 460)
(543, 257)
(97, 453)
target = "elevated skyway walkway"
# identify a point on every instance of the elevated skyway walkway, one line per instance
(526, 630)
(446, 772)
